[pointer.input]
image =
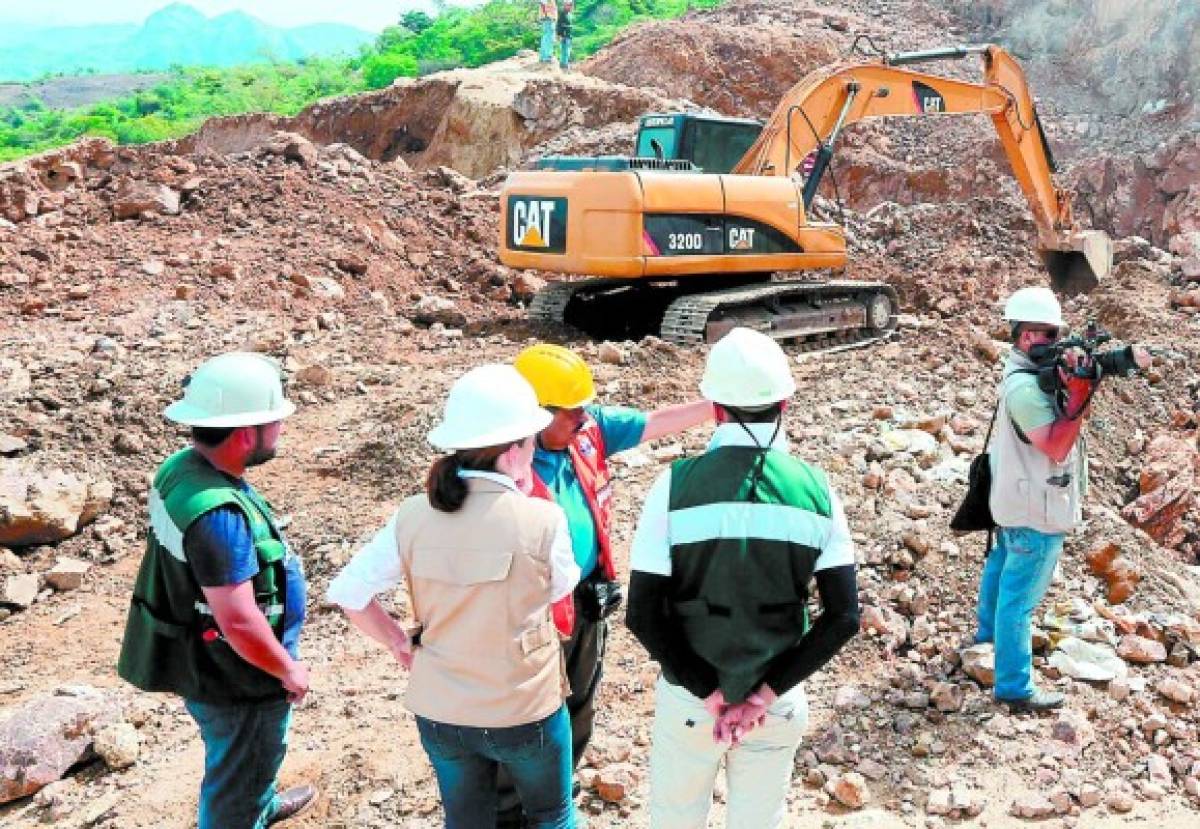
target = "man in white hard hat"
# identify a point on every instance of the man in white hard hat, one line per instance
(721, 563)
(219, 599)
(1039, 477)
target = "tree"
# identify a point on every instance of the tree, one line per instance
(380, 70)
(416, 21)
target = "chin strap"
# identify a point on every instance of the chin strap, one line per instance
(761, 459)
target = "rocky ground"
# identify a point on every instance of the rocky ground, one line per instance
(364, 259)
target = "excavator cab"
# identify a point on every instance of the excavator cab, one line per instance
(679, 142)
(714, 143)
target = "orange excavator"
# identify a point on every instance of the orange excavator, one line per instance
(699, 230)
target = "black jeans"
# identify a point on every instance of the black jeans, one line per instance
(584, 654)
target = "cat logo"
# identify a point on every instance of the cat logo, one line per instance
(741, 238)
(927, 99)
(531, 223)
(538, 224)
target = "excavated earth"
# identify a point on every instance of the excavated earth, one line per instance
(356, 243)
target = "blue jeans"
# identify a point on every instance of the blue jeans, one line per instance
(537, 756)
(244, 744)
(546, 52)
(564, 53)
(1015, 578)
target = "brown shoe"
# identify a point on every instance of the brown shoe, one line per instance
(293, 802)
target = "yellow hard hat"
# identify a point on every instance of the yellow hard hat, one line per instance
(559, 376)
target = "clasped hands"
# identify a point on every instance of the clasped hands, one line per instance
(733, 722)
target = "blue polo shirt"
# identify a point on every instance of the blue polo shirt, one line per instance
(220, 549)
(622, 429)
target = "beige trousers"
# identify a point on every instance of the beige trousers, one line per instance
(684, 760)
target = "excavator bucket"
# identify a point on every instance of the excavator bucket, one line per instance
(1078, 267)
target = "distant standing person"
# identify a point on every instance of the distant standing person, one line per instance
(564, 35)
(547, 14)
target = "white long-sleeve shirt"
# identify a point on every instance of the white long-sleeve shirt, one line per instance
(375, 568)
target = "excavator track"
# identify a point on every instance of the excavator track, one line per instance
(820, 317)
(549, 305)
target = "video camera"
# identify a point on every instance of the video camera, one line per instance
(1092, 365)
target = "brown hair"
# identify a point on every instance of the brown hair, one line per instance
(446, 490)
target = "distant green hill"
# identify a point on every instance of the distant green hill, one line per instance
(177, 35)
(191, 93)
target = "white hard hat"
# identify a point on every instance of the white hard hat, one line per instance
(489, 406)
(236, 389)
(1038, 305)
(747, 369)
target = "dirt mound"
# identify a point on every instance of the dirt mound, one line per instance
(474, 121)
(735, 70)
(1132, 59)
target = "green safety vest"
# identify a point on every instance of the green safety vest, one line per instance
(172, 642)
(742, 555)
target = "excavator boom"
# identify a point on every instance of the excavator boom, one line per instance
(811, 115)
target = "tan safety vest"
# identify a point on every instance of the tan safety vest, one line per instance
(479, 580)
(1029, 489)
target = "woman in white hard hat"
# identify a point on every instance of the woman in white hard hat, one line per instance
(483, 564)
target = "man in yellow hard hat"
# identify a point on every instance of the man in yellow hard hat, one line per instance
(219, 599)
(570, 468)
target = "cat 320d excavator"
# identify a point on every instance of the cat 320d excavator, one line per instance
(690, 236)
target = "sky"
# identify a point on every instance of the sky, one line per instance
(371, 15)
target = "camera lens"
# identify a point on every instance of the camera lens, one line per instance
(1119, 363)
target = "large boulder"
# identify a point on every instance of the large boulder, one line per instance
(45, 507)
(47, 735)
(135, 198)
(1157, 197)
(38, 184)
(1167, 487)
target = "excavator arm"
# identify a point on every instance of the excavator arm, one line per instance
(812, 114)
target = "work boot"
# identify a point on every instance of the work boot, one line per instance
(1038, 701)
(292, 802)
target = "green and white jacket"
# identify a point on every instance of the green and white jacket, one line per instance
(740, 561)
(172, 643)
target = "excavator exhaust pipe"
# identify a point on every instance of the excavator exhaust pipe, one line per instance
(1077, 267)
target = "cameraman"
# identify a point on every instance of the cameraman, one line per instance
(1039, 476)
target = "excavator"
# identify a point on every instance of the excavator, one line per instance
(704, 228)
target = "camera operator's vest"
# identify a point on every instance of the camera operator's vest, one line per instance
(742, 552)
(172, 643)
(1029, 489)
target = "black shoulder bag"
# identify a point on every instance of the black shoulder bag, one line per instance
(974, 513)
